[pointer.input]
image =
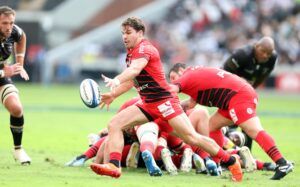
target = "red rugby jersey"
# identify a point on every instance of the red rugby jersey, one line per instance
(151, 82)
(210, 86)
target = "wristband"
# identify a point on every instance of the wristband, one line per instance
(20, 54)
(2, 74)
(117, 81)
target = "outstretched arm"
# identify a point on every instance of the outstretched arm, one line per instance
(129, 73)
(108, 98)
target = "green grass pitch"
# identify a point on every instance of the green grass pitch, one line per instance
(57, 124)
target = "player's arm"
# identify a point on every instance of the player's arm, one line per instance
(263, 77)
(188, 104)
(109, 97)
(20, 50)
(231, 65)
(136, 66)
(235, 62)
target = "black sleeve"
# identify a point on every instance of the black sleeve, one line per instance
(235, 62)
(17, 33)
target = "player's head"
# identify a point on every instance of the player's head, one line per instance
(237, 137)
(133, 30)
(176, 71)
(264, 49)
(7, 20)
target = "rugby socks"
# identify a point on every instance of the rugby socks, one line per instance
(184, 147)
(92, 151)
(233, 152)
(16, 128)
(115, 158)
(177, 160)
(200, 152)
(259, 165)
(218, 137)
(224, 156)
(267, 143)
(147, 145)
(157, 153)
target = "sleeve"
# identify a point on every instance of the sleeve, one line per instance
(17, 33)
(144, 51)
(263, 77)
(236, 61)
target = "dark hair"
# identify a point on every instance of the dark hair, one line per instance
(176, 68)
(7, 10)
(135, 23)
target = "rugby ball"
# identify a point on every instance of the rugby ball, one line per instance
(90, 93)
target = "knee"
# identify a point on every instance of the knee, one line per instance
(203, 113)
(16, 110)
(114, 125)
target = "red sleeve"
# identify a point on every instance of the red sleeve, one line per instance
(144, 51)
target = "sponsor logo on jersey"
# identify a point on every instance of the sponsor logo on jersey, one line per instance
(141, 49)
(142, 87)
(250, 71)
(235, 63)
(249, 111)
(233, 115)
(166, 109)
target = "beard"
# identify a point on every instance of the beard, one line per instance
(4, 35)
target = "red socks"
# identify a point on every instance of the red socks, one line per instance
(267, 143)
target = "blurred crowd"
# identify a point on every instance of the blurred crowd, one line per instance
(205, 32)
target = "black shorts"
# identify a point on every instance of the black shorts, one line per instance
(4, 81)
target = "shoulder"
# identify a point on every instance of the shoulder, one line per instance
(245, 51)
(147, 46)
(273, 57)
(17, 33)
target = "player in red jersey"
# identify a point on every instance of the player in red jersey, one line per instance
(236, 100)
(145, 70)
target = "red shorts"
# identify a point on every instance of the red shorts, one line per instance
(242, 106)
(164, 126)
(165, 109)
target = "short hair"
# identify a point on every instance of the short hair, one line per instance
(6, 11)
(176, 68)
(134, 22)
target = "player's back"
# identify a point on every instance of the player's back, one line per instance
(210, 86)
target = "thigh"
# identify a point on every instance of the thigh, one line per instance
(128, 118)
(251, 127)
(218, 120)
(182, 126)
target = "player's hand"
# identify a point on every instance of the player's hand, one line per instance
(12, 70)
(24, 74)
(103, 132)
(106, 99)
(111, 83)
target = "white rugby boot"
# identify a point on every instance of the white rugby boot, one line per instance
(199, 164)
(133, 156)
(21, 156)
(186, 160)
(247, 158)
(168, 163)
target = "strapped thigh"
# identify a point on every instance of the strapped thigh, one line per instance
(7, 90)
